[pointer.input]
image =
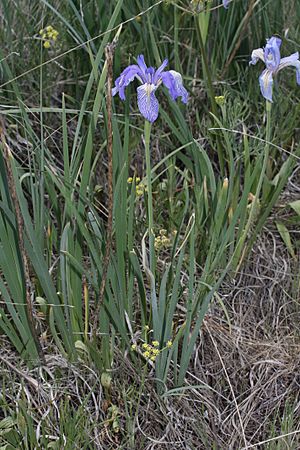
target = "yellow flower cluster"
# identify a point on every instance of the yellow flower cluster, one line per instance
(151, 351)
(140, 188)
(162, 241)
(49, 36)
(220, 100)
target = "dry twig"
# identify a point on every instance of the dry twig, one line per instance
(109, 53)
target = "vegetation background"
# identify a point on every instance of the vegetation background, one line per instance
(221, 302)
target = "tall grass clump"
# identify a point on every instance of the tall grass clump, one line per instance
(193, 181)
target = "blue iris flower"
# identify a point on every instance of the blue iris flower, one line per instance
(150, 80)
(226, 3)
(270, 55)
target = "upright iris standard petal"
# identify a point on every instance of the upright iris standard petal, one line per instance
(126, 77)
(292, 60)
(266, 84)
(159, 71)
(272, 53)
(141, 62)
(150, 80)
(226, 3)
(147, 102)
(173, 81)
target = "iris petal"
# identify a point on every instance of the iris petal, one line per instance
(226, 3)
(126, 77)
(272, 53)
(159, 71)
(173, 81)
(292, 60)
(147, 102)
(256, 55)
(266, 84)
(141, 62)
(150, 75)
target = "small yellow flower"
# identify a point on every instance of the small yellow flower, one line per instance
(153, 358)
(48, 35)
(139, 192)
(169, 344)
(157, 243)
(129, 180)
(155, 351)
(137, 180)
(220, 100)
(155, 344)
(140, 188)
(162, 241)
(146, 354)
(146, 328)
(133, 347)
(146, 346)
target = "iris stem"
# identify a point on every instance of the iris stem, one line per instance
(266, 150)
(147, 133)
(266, 167)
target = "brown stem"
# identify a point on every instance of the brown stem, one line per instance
(109, 54)
(20, 230)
